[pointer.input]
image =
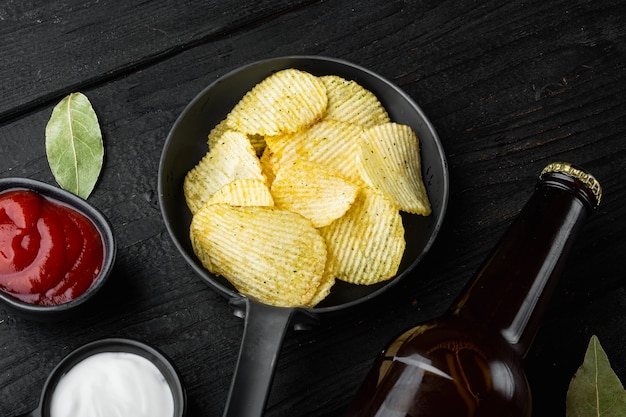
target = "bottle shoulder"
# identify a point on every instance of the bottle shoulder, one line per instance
(449, 333)
(449, 363)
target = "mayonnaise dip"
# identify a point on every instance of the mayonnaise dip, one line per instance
(113, 384)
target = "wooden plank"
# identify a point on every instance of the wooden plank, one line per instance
(49, 49)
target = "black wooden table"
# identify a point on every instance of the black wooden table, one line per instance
(509, 86)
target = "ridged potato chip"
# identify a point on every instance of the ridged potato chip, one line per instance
(243, 192)
(286, 101)
(366, 245)
(330, 143)
(333, 144)
(215, 136)
(272, 255)
(349, 102)
(313, 191)
(269, 165)
(232, 157)
(323, 290)
(390, 162)
(283, 148)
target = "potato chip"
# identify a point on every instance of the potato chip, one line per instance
(349, 102)
(243, 192)
(366, 245)
(215, 135)
(334, 145)
(313, 191)
(284, 149)
(284, 102)
(231, 158)
(329, 143)
(257, 141)
(390, 162)
(269, 165)
(323, 290)
(272, 255)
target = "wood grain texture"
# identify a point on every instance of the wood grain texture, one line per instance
(509, 86)
(79, 44)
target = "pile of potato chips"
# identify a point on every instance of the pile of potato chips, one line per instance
(303, 184)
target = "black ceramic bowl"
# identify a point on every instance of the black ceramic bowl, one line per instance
(265, 325)
(187, 143)
(163, 364)
(65, 310)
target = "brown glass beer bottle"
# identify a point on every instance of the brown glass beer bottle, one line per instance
(468, 362)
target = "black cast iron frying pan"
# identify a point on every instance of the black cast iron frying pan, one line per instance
(265, 325)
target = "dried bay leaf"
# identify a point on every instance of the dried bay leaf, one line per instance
(595, 390)
(74, 145)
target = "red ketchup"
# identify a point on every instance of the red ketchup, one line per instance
(49, 253)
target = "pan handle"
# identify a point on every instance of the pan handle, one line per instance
(264, 330)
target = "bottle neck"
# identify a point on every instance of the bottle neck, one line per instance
(512, 288)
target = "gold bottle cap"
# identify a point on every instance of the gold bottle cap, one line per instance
(568, 169)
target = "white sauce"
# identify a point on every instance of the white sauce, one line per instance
(113, 384)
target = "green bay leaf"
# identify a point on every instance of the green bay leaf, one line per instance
(595, 390)
(74, 145)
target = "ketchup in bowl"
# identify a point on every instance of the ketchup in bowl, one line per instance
(50, 253)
